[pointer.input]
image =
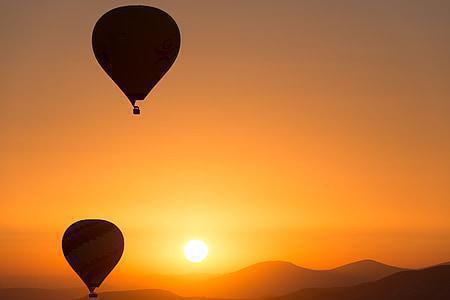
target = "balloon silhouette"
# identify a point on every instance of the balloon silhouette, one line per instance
(136, 45)
(93, 248)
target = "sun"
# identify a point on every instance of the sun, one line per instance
(195, 251)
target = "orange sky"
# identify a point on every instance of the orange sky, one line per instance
(311, 132)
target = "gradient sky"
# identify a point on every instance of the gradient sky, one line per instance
(316, 132)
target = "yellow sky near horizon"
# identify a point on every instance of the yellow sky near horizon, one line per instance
(316, 133)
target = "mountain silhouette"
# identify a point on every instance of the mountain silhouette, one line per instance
(430, 284)
(261, 280)
(268, 279)
(276, 278)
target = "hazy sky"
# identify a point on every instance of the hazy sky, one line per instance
(316, 132)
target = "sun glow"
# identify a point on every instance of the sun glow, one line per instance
(195, 251)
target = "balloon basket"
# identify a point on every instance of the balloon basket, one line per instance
(93, 296)
(136, 110)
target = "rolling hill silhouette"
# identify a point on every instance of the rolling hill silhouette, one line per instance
(430, 284)
(268, 279)
(276, 278)
(279, 278)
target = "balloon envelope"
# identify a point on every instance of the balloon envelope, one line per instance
(136, 45)
(93, 248)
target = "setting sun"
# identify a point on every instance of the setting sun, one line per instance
(195, 251)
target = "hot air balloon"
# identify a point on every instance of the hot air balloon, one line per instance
(136, 45)
(93, 248)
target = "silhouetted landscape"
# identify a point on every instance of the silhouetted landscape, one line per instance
(270, 279)
(366, 279)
